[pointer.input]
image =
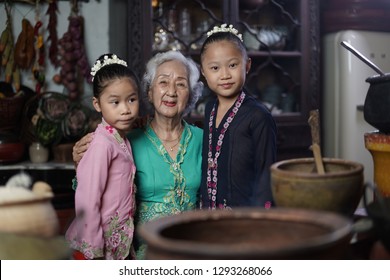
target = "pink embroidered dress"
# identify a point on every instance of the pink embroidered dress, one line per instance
(105, 198)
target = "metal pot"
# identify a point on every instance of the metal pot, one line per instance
(377, 102)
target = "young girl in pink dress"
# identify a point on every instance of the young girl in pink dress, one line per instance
(105, 196)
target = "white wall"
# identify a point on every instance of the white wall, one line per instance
(96, 34)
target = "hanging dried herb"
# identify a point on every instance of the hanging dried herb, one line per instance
(7, 51)
(24, 47)
(52, 29)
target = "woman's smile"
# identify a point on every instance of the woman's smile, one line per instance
(169, 103)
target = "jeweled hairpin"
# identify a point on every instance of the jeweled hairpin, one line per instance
(225, 28)
(106, 61)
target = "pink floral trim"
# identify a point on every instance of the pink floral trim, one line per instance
(118, 239)
(110, 129)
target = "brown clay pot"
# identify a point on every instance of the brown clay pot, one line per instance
(248, 233)
(296, 184)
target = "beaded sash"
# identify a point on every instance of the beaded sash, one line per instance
(212, 168)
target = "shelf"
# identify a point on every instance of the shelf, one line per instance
(285, 54)
(28, 165)
(292, 54)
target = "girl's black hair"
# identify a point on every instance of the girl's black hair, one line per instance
(224, 36)
(111, 72)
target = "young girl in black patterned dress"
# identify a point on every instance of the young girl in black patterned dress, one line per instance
(239, 143)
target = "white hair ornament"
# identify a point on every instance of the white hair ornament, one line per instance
(225, 28)
(106, 61)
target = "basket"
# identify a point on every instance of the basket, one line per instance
(12, 105)
(10, 111)
(63, 152)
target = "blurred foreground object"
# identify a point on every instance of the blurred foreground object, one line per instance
(29, 225)
(248, 233)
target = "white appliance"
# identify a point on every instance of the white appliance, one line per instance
(345, 90)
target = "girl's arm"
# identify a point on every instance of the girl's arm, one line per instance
(92, 175)
(264, 133)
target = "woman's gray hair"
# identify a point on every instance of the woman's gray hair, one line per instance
(196, 86)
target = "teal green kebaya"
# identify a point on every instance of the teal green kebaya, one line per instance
(165, 186)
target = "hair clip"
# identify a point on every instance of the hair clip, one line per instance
(225, 28)
(106, 61)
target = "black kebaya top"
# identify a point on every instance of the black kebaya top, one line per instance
(247, 152)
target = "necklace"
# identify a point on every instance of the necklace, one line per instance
(171, 147)
(165, 141)
(212, 168)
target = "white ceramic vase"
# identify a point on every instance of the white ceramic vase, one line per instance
(38, 153)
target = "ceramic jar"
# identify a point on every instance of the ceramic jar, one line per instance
(28, 212)
(378, 144)
(38, 153)
(296, 184)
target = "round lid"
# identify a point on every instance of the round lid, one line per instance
(378, 78)
(15, 195)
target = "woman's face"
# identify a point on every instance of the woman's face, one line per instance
(170, 91)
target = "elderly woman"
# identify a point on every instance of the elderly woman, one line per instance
(167, 151)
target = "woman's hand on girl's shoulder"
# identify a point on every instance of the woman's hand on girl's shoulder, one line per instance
(80, 147)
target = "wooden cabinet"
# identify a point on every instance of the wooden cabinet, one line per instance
(282, 37)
